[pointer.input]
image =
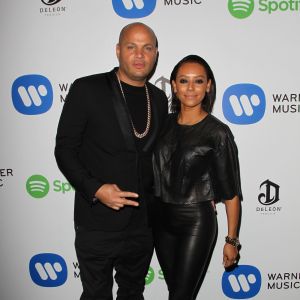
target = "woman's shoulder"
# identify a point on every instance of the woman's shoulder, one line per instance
(217, 128)
(217, 123)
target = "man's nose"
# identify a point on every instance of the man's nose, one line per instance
(139, 52)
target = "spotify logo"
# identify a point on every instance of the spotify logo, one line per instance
(241, 9)
(37, 186)
(150, 276)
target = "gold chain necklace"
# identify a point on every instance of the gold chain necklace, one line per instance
(143, 134)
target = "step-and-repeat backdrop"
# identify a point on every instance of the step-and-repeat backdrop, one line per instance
(253, 48)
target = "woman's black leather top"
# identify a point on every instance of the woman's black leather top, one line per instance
(196, 163)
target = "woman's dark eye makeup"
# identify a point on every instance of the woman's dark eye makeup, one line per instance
(182, 80)
(197, 81)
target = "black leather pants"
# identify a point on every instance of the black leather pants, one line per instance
(184, 239)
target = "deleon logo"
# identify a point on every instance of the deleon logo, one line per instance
(150, 276)
(32, 94)
(48, 270)
(243, 282)
(37, 186)
(271, 193)
(240, 9)
(50, 2)
(244, 103)
(164, 84)
(133, 8)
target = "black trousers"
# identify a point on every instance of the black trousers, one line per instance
(99, 253)
(184, 239)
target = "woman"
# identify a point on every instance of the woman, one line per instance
(195, 166)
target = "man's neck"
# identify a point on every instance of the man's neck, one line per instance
(122, 77)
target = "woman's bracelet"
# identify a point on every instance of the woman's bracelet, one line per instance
(232, 241)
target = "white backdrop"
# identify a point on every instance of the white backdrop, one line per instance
(245, 42)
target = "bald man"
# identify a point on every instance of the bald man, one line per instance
(105, 137)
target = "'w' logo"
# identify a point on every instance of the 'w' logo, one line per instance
(133, 8)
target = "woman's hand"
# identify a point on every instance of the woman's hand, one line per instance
(230, 255)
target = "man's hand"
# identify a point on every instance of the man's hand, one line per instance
(111, 196)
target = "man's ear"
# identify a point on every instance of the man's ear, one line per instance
(118, 50)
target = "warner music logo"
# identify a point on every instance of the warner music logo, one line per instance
(133, 8)
(286, 103)
(283, 281)
(182, 2)
(244, 103)
(3, 174)
(48, 270)
(268, 197)
(51, 8)
(32, 94)
(76, 271)
(243, 282)
(64, 89)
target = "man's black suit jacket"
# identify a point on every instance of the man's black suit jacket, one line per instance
(95, 145)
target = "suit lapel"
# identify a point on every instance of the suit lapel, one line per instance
(121, 111)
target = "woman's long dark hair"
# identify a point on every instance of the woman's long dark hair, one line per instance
(210, 97)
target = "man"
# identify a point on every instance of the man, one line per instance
(104, 144)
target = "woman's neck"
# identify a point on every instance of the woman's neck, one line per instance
(190, 116)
